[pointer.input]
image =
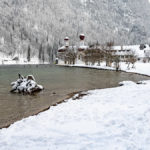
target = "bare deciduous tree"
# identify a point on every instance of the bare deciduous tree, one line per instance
(131, 60)
(116, 61)
(147, 55)
(70, 57)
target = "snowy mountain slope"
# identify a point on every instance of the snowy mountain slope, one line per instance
(32, 22)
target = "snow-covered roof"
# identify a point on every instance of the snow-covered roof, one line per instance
(73, 47)
(69, 47)
(133, 48)
(83, 47)
(82, 34)
(63, 47)
(66, 38)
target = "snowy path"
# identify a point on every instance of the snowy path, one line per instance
(108, 119)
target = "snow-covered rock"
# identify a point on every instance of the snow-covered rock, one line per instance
(26, 85)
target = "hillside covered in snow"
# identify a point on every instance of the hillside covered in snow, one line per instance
(44, 23)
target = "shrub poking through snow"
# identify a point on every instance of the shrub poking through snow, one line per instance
(25, 85)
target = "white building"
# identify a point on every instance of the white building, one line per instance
(126, 51)
(78, 49)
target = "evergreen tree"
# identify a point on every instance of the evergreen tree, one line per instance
(40, 52)
(49, 52)
(43, 56)
(29, 53)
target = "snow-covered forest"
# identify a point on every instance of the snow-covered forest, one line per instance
(43, 24)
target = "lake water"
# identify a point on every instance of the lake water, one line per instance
(58, 83)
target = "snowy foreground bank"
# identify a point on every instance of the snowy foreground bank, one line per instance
(108, 119)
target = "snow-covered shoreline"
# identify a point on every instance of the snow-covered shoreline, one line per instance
(21, 62)
(140, 68)
(114, 118)
(7, 60)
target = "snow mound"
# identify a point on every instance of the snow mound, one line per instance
(142, 82)
(127, 83)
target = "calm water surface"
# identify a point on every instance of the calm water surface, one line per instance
(58, 83)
